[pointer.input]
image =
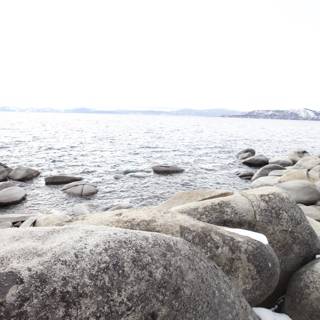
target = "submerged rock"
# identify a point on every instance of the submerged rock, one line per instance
(166, 169)
(303, 294)
(23, 174)
(11, 195)
(256, 161)
(80, 188)
(109, 273)
(61, 179)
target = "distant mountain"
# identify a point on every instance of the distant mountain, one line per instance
(300, 114)
(182, 112)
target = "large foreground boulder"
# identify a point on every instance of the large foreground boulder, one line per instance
(251, 265)
(303, 294)
(23, 174)
(269, 211)
(106, 273)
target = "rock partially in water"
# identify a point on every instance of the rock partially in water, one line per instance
(11, 195)
(109, 273)
(265, 182)
(269, 211)
(4, 172)
(246, 153)
(303, 294)
(281, 162)
(246, 175)
(61, 179)
(7, 184)
(251, 265)
(23, 174)
(256, 161)
(301, 191)
(296, 155)
(264, 171)
(80, 188)
(167, 169)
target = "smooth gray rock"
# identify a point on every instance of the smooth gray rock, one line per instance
(256, 161)
(265, 181)
(4, 172)
(61, 179)
(167, 169)
(307, 162)
(311, 211)
(7, 184)
(246, 153)
(269, 211)
(80, 188)
(301, 191)
(314, 174)
(109, 273)
(23, 174)
(246, 175)
(296, 155)
(303, 294)
(264, 171)
(281, 162)
(295, 174)
(192, 196)
(251, 265)
(277, 173)
(12, 195)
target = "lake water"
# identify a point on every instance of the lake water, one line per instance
(98, 147)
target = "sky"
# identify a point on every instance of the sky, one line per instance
(168, 54)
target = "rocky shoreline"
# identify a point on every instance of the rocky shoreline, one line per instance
(203, 254)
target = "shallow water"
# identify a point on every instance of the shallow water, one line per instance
(98, 146)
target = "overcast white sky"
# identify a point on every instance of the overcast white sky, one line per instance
(165, 54)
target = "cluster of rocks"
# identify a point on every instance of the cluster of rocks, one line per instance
(298, 174)
(11, 187)
(205, 254)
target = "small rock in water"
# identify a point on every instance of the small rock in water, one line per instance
(79, 188)
(61, 179)
(246, 153)
(23, 174)
(264, 171)
(12, 195)
(256, 161)
(246, 175)
(167, 169)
